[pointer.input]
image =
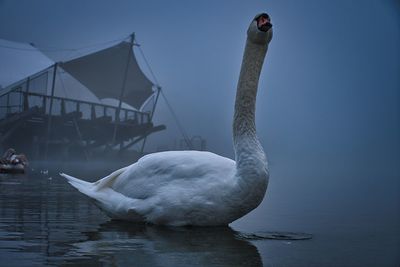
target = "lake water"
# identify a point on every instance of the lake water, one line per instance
(44, 221)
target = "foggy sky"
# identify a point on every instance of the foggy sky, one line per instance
(329, 89)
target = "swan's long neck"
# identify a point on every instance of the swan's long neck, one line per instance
(249, 155)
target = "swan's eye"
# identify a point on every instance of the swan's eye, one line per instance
(263, 22)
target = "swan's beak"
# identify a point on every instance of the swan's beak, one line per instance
(260, 30)
(264, 22)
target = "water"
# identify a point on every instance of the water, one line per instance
(44, 221)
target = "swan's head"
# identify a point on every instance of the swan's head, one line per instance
(260, 29)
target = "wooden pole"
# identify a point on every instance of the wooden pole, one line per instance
(28, 82)
(50, 110)
(122, 90)
(151, 117)
(26, 97)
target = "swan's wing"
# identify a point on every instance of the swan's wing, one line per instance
(162, 187)
(174, 169)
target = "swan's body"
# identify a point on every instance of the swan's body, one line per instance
(193, 187)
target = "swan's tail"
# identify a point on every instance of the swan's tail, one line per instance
(115, 204)
(89, 188)
(83, 186)
(92, 190)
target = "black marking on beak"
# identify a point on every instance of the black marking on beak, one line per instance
(263, 22)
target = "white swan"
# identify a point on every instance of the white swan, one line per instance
(192, 187)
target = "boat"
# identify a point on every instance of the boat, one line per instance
(11, 162)
(12, 168)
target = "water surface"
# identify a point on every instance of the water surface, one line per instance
(44, 221)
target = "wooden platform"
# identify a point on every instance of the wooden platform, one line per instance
(73, 127)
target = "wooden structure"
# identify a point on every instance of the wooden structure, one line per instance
(24, 126)
(43, 125)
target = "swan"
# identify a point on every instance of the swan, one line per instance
(196, 188)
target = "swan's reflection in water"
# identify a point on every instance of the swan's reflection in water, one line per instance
(125, 244)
